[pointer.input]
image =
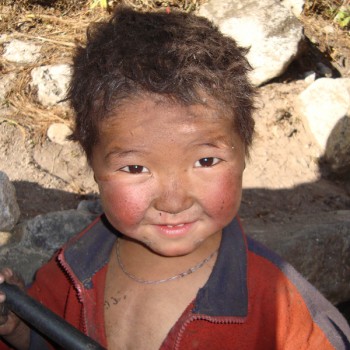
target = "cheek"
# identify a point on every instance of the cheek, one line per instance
(124, 205)
(224, 197)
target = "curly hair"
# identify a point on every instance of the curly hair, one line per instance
(177, 55)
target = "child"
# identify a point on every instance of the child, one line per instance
(164, 113)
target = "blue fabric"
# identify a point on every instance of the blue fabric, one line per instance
(228, 278)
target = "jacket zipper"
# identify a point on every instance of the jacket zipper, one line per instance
(213, 319)
(76, 285)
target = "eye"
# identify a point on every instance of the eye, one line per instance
(135, 169)
(207, 162)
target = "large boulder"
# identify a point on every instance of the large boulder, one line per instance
(318, 246)
(9, 210)
(325, 109)
(268, 28)
(36, 240)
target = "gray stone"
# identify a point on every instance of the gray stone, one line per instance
(51, 83)
(48, 232)
(36, 240)
(9, 210)
(323, 70)
(318, 246)
(336, 158)
(269, 29)
(92, 206)
(21, 52)
(325, 109)
(22, 260)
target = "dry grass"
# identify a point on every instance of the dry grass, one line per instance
(57, 36)
(58, 26)
(326, 8)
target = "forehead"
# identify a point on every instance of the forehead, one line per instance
(154, 112)
(157, 125)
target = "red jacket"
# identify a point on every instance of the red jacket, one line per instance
(252, 300)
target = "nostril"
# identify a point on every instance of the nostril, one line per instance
(173, 204)
(174, 194)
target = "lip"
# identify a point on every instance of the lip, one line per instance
(175, 230)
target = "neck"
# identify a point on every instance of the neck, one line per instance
(141, 261)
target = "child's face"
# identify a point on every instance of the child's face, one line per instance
(170, 176)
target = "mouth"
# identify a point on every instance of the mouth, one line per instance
(177, 225)
(174, 230)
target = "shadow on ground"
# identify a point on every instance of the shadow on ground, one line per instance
(34, 199)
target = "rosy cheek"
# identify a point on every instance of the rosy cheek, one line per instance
(224, 198)
(124, 205)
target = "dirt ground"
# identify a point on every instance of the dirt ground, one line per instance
(282, 177)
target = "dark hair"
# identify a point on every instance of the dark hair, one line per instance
(177, 55)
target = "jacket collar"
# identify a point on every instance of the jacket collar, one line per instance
(224, 294)
(89, 252)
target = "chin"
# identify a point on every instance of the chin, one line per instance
(170, 251)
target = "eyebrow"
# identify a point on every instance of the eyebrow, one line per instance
(122, 153)
(210, 144)
(216, 143)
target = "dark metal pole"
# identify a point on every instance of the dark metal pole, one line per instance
(45, 321)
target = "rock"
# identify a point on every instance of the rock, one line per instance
(92, 206)
(310, 77)
(9, 210)
(296, 6)
(21, 52)
(58, 133)
(317, 246)
(36, 240)
(49, 232)
(51, 83)
(269, 29)
(335, 162)
(24, 261)
(6, 84)
(323, 70)
(325, 108)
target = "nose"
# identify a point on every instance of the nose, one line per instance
(174, 195)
